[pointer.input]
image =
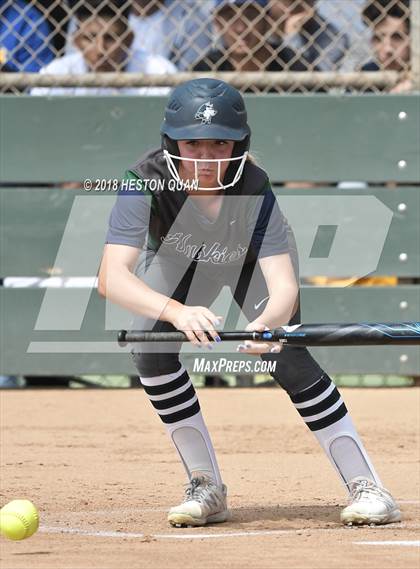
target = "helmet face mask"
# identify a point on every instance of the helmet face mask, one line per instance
(206, 109)
(174, 169)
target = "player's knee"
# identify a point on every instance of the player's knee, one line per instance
(295, 369)
(153, 364)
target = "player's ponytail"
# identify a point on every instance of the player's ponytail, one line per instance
(251, 159)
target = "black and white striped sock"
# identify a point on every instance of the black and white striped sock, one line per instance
(326, 415)
(172, 395)
(320, 405)
(175, 400)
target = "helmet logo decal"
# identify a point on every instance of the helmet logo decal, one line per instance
(205, 113)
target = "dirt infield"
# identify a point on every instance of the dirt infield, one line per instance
(102, 472)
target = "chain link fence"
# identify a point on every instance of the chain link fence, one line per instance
(142, 46)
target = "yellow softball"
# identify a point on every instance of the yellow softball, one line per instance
(19, 519)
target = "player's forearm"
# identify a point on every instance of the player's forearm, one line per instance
(282, 288)
(130, 292)
(280, 307)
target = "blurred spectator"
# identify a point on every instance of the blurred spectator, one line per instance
(300, 26)
(390, 23)
(24, 37)
(57, 15)
(347, 15)
(120, 8)
(103, 40)
(243, 30)
(176, 29)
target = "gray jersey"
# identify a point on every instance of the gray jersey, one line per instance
(250, 224)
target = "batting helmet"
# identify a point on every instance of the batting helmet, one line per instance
(203, 109)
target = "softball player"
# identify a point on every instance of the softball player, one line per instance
(172, 246)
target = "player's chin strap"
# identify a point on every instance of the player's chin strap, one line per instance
(175, 174)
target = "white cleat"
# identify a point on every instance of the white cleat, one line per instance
(205, 503)
(369, 504)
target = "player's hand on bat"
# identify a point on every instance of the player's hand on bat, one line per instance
(197, 322)
(250, 347)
